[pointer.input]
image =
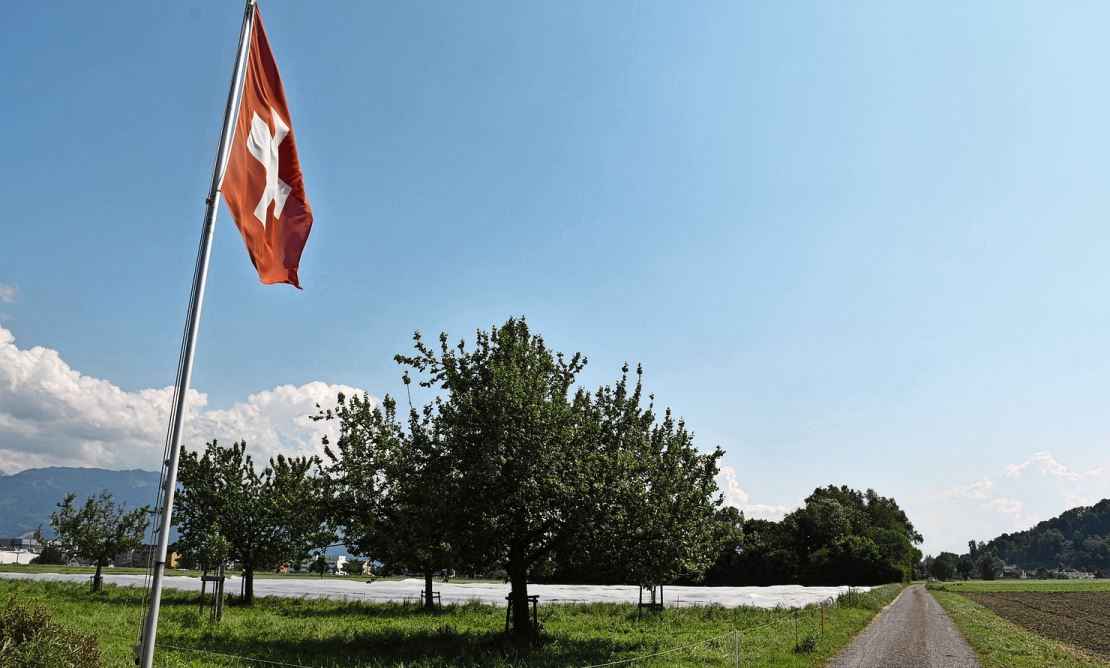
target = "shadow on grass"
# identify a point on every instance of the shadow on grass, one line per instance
(413, 648)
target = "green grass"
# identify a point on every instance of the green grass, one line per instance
(1001, 644)
(1023, 585)
(345, 634)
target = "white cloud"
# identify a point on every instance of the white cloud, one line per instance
(1022, 494)
(735, 496)
(8, 293)
(52, 415)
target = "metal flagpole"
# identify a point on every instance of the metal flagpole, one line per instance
(188, 347)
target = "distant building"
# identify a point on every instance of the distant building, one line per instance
(20, 544)
(140, 557)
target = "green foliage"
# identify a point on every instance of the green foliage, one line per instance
(99, 531)
(988, 566)
(541, 476)
(30, 638)
(353, 566)
(944, 566)
(268, 518)
(395, 486)
(213, 550)
(1078, 538)
(840, 536)
(51, 555)
(728, 541)
(965, 565)
(807, 644)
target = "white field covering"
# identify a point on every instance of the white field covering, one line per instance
(357, 588)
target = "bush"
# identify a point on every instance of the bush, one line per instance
(807, 644)
(29, 638)
(51, 555)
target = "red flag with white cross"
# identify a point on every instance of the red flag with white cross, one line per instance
(263, 185)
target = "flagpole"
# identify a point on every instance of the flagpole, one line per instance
(188, 347)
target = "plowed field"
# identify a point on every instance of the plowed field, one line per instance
(1079, 618)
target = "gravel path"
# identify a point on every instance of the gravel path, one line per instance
(913, 631)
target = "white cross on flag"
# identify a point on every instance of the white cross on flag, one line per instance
(263, 186)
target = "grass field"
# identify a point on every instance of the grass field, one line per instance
(337, 634)
(1024, 585)
(1032, 623)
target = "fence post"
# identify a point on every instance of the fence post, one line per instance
(795, 629)
(736, 649)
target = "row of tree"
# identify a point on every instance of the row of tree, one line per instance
(511, 467)
(1079, 538)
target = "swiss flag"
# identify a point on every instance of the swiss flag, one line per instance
(263, 185)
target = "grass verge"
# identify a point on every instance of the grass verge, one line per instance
(340, 634)
(1001, 644)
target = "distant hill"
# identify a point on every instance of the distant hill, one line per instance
(27, 498)
(1079, 538)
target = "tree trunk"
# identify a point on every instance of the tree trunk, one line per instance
(96, 578)
(248, 586)
(428, 574)
(518, 598)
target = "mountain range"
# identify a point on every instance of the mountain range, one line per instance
(27, 498)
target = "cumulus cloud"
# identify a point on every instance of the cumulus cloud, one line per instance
(8, 293)
(52, 415)
(735, 496)
(1021, 495)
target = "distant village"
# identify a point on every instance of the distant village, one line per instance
(23, 551)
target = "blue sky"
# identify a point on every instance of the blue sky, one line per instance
(851, 243)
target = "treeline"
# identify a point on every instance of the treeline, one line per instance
(1079, 538)
(840, 536)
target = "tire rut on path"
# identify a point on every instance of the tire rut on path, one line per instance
(912, 631)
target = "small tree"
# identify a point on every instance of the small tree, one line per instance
(268, 518)
(395, 486)
(99, 531)
(51, 555)
(353, 566)
(319, 565)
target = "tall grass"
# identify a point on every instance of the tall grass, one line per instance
(31, 638)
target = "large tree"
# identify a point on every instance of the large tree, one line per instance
(98, 531)
(540, 465)
(395, 486)
(268, 517)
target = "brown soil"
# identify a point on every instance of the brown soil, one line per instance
(1080, 618)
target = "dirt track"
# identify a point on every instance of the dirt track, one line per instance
(913, 631)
